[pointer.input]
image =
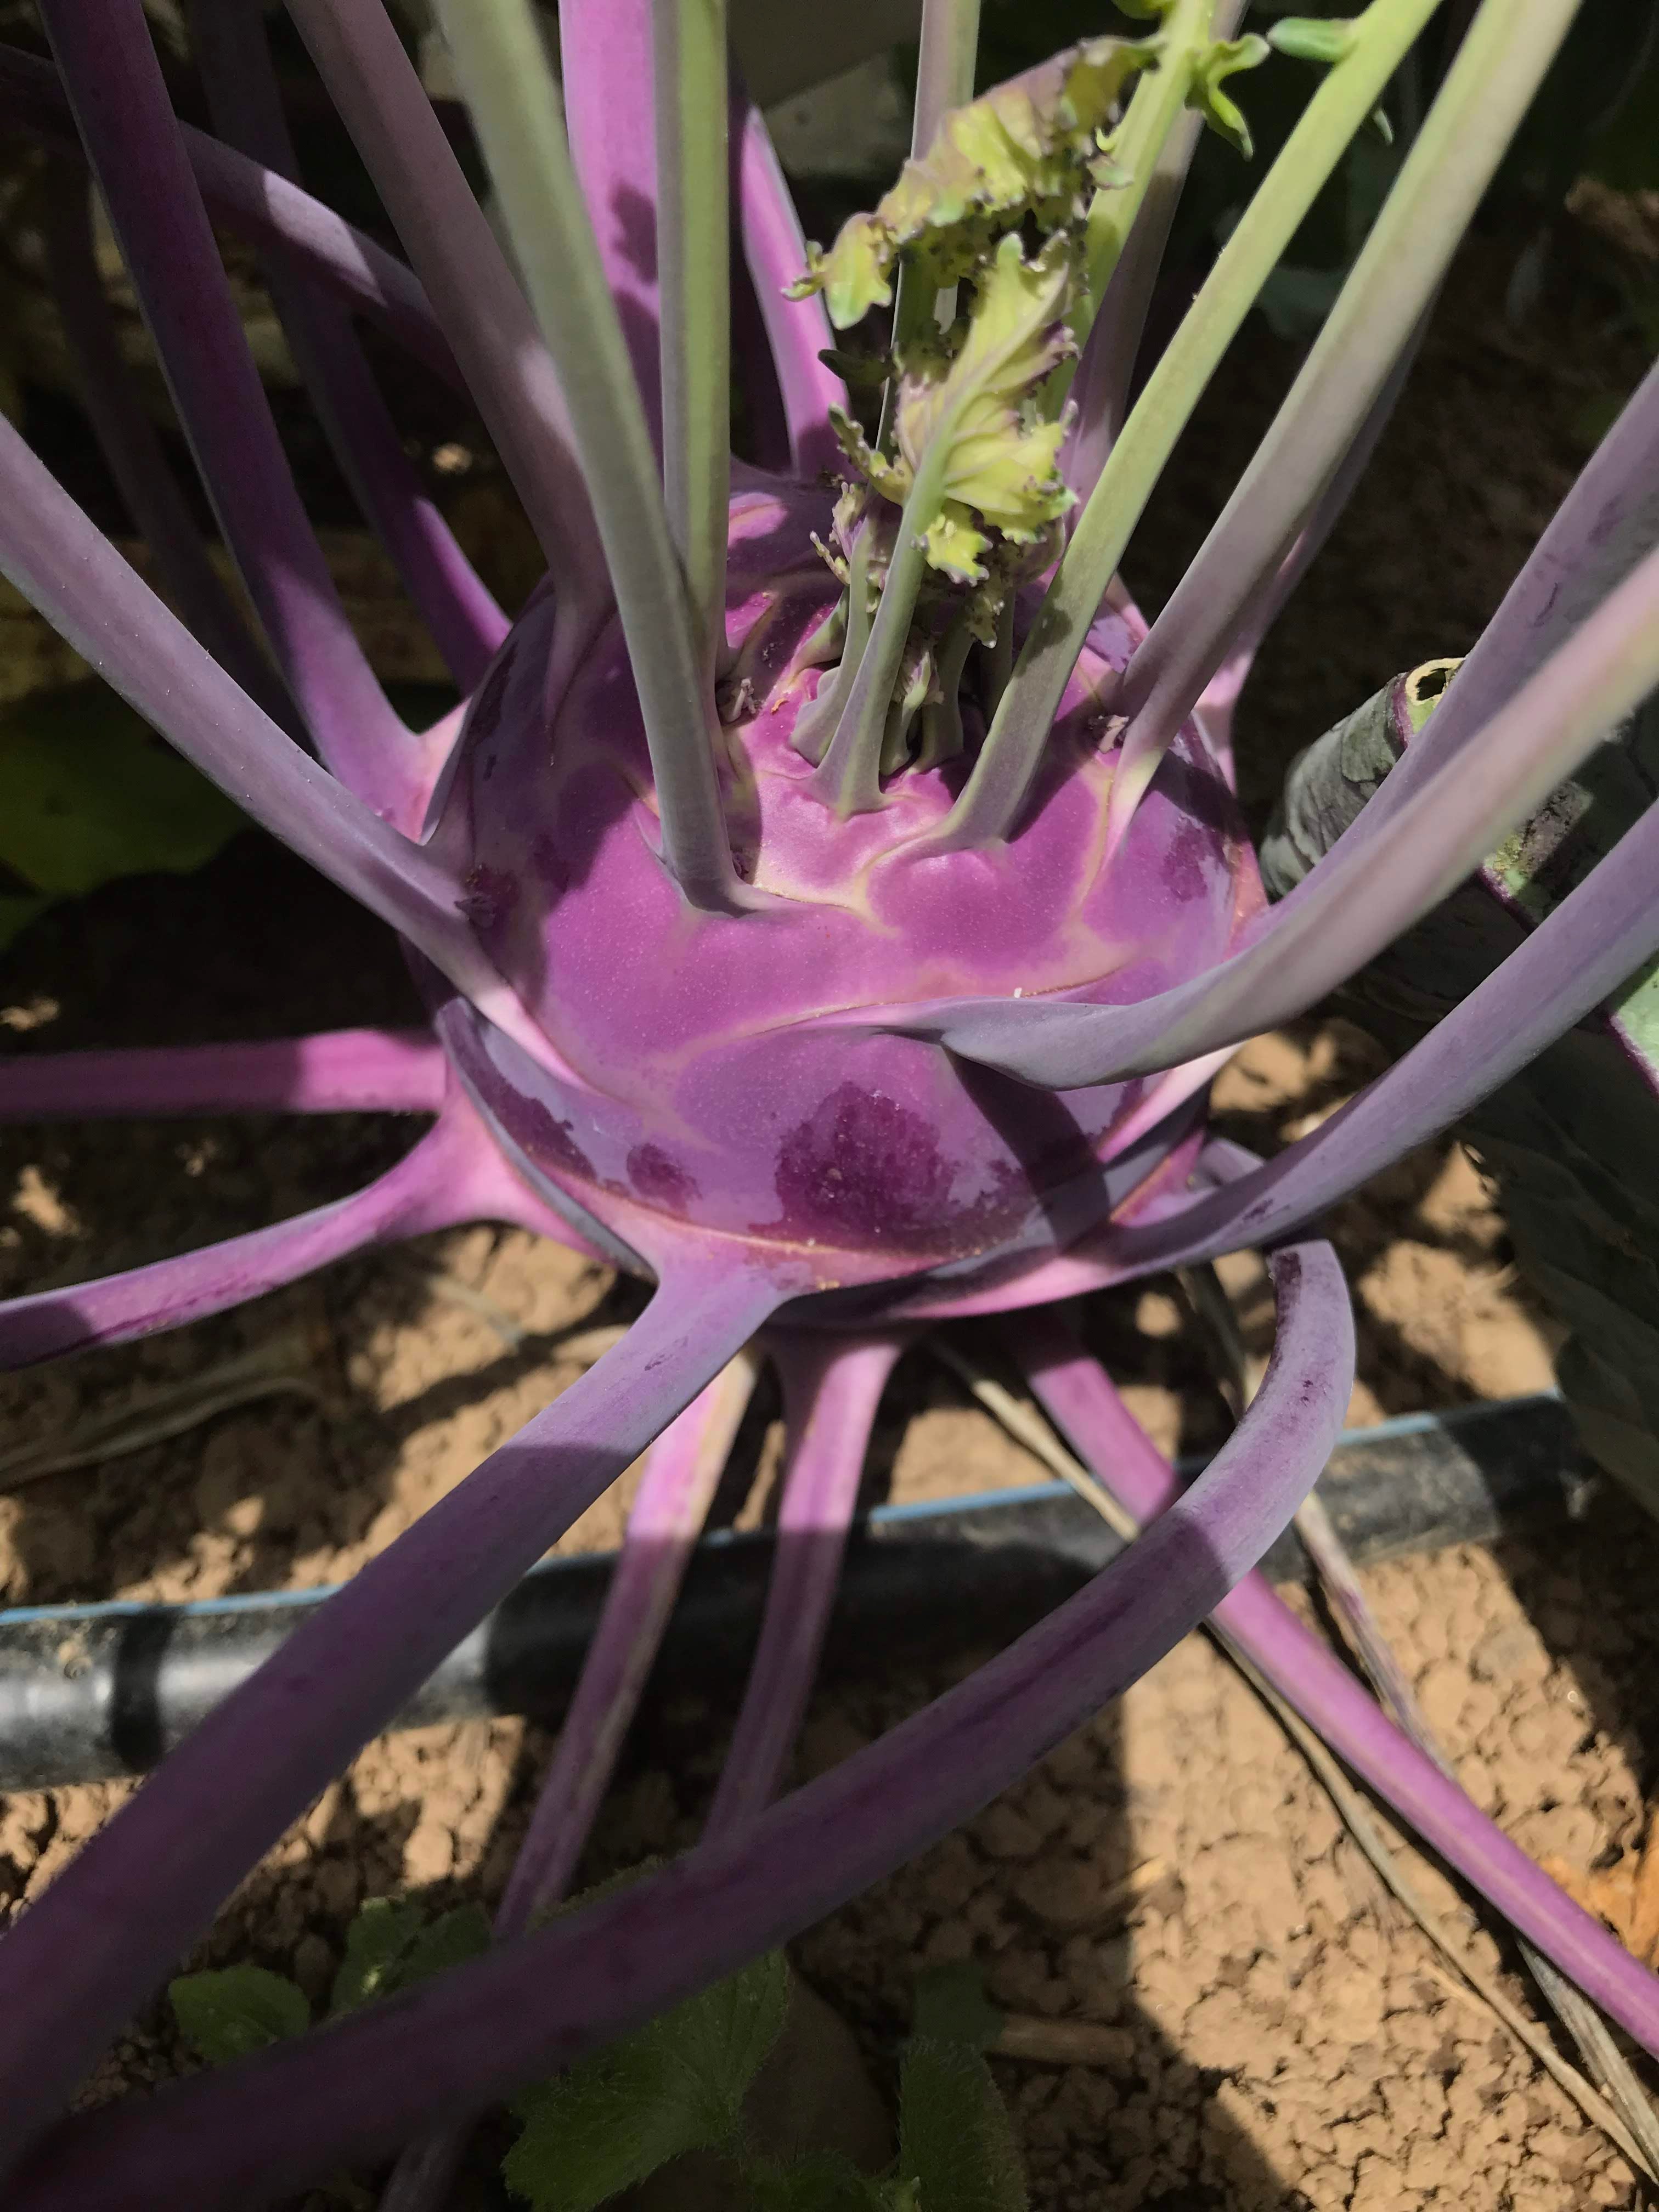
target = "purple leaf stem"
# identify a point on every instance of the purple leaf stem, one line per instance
(127, 440)
(830, 1392)
(414, 1196)
(1078, 1395)
(478, 301)
(1602, 933)
(77, 1964)
(606, 70)
(1608, 523)
(466, 624)
(1349, 906)
(798, 330)
(120, 100)
(91, 596)
(675, 1492)
(334, 1071)
(1176, 674)
(235, 2138)
(262, 207)
(677, 1487)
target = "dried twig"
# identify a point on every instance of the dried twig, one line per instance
(275, 1368)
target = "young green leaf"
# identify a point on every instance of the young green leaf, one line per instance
(1029, 148)
(88, 792)
(818, 2181)
(951, 2006)
(676, 2085)
(968, 419)
(1222, 113)
(391, 1946)
(237, 2010)
(955, 2145)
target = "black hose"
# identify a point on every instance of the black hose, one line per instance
(91, 1692)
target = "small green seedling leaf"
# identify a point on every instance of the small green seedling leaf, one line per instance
(391, 1946)
(955, 2145)
(956, 2148)
(88, 792)
(951, 2006)
(818, 2181)
(676, 2085)
(238, 2010)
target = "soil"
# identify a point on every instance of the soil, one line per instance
(1270, 2030)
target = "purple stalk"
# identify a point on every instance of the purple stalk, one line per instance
(605, 67)
(127, 440)
(682, 1473)
(147, 1885)
(120, 100)
(338, 1071)
(419, 1193)
(89, 593)
(1608, 523)
(1599, 936)
(1077, 1393)
(1357, 899)
(466, 624)
(798, 330)
(830, 1392)
(262, 207)
(235, 2138)
(1174, 672)
(479, 304)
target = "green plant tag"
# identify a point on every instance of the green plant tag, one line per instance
(676, 2085)
(228, 2013)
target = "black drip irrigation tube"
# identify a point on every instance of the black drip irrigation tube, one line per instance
(89, 1692)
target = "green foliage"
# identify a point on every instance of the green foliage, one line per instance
(88, 794)
(241, 2010)
(676, 2085)
(392, 1945)
(1030, 151)
(971, 412)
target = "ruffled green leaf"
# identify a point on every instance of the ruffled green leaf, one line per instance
(1223, 114)
(1031, 149)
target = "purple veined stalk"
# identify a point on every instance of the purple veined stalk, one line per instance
(760, 902)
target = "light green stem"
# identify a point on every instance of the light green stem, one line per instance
(693, 264)
(514, 107)
(1013, 747)
(945, 80)
(1155, 107)
(1499, 66)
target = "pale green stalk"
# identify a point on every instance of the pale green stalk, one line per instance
(1156, 106)
(849, 778)
(1492, 82)
(945, 80)
(694, 283)
(1008, 760)
(514, 105)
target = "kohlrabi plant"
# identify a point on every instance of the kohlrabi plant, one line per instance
(829, 900)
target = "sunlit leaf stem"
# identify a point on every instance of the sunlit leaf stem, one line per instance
(514, 102)
(1008, 760)
(693, 271)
